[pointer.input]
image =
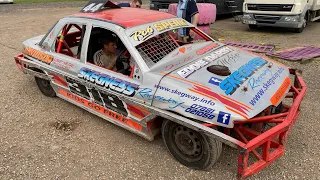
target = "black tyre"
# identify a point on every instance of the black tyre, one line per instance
(45, 87)
(253, 26)
(191, 148)
(305, 21)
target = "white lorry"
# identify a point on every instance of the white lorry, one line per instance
(280, 13)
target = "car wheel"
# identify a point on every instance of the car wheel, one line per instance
(45, 87)
(191, 148)
(299, 30)
(253, 26)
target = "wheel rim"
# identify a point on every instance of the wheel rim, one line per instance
(188, 143)
(45, 84)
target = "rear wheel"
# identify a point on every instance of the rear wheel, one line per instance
(45, 87)
(189, 147)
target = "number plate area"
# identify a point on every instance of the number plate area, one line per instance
(163, 10)
(249, 22)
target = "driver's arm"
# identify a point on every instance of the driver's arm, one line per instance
(112, 63)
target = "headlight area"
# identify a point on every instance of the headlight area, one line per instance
(295, 18)
(246, 16)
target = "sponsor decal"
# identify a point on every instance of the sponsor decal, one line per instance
(206, 49)
(37, 54)
(237, 78)
(280, 92)
(229, 59)
(256, 82)
(230, 104)
(103, 99)
(267, 85)
(182, 50)
(112, 83)
(62, 64)
(201, 111)
(224, 118)
(185, 95)
(146, 93)
(215, 81)
(172, 24)
(111, 114)
(185, 72)
(141, 35)
(170, 66)
(217, 54)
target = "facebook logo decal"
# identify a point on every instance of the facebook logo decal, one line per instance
(224, 118)
(215, 81)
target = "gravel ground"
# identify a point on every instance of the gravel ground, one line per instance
(31, 147)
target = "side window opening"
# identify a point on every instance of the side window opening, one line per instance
(69, 40)
(106, 50)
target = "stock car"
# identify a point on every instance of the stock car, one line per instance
(198, 94)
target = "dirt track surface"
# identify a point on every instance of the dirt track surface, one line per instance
(31, 147)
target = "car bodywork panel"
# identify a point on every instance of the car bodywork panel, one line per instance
(179, 83)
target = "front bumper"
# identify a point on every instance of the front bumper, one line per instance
(274, 137)
(266, 144)
(272, 20)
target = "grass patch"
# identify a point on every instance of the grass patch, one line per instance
(42, 1)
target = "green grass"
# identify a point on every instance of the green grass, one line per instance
(38, 1)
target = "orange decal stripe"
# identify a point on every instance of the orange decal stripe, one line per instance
(100, 109)
(136, 115)
(280, 92)
(202, 94)
(141, 109)
(191, 82)
(237, 112)
(216, 99)
(236, 101)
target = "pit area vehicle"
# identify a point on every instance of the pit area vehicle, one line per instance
(285, 13)
(6, 1)
(198, 95)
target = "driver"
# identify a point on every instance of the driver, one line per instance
(107, 56)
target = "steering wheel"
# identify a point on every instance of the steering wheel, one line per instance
(119, 63)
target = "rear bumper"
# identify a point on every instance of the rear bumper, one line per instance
(273, 20)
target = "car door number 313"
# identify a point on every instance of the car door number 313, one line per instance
(109, 101)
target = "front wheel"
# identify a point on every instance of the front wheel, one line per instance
(45, 87)
(304, 24)
(191, 148)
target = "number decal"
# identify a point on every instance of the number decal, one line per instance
(109, 101)
(114, 103)
(201, 111)
(92, 7)
(96, 96)
(78, 88)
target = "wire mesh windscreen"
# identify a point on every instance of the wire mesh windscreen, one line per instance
(154, 49)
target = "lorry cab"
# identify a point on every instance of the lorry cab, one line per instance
(285, 13)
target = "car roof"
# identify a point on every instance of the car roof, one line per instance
(127, 17)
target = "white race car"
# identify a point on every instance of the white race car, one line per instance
(198, 94)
